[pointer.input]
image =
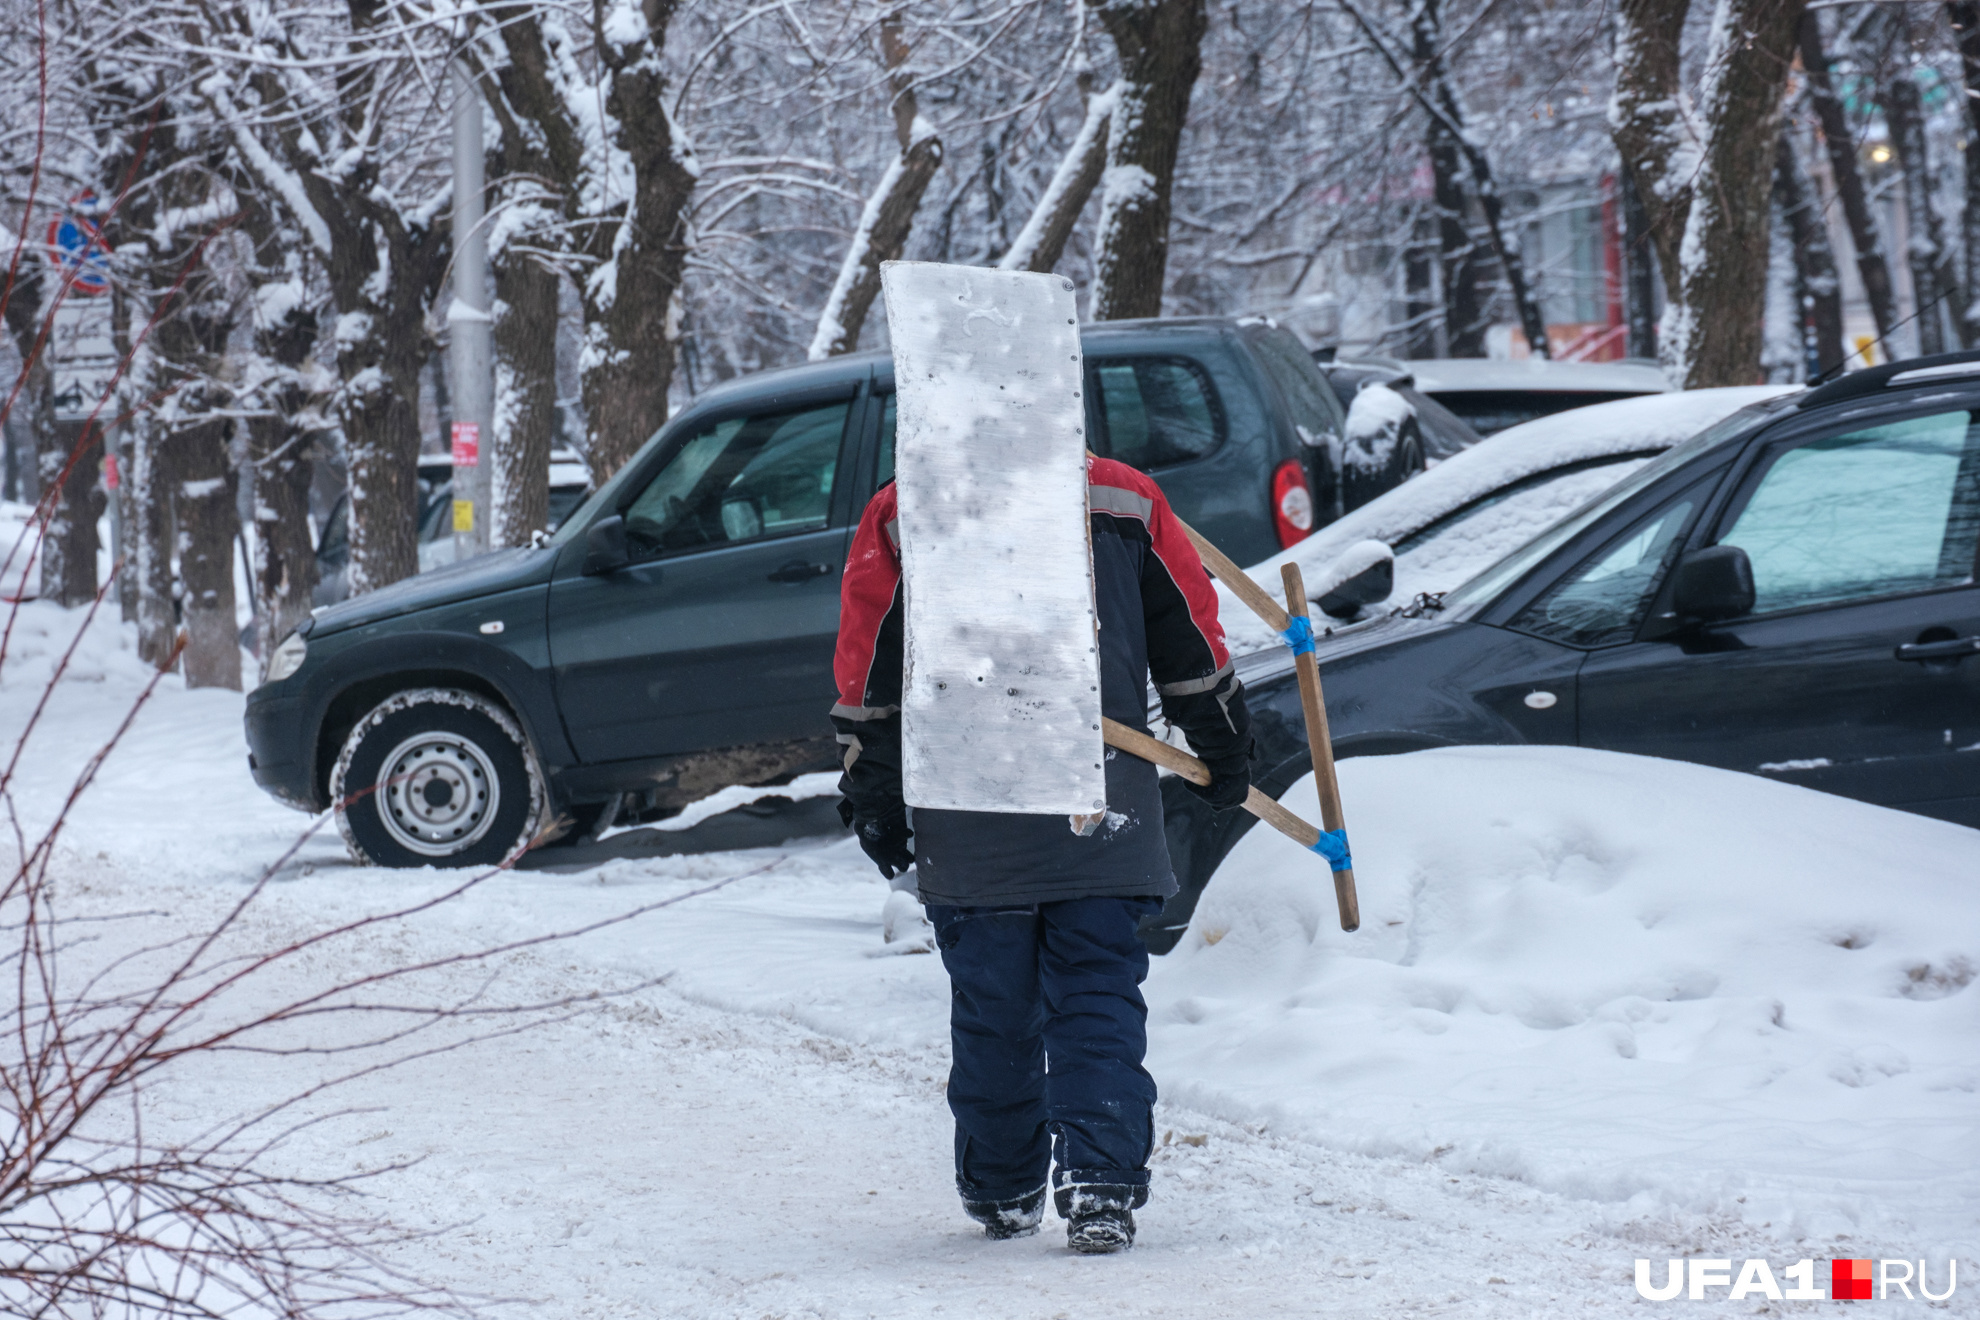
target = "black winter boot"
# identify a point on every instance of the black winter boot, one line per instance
(1008, 1219)
(1100, 1232)
(1099, 1216)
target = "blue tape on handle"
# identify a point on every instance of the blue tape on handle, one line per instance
(1299, 634)
(1333, 846)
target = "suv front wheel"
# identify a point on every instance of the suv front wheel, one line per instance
(437, 777)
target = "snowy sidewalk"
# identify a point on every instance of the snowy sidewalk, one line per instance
(663, 1156)
(764, 1133)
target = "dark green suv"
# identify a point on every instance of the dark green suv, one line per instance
(676, 635)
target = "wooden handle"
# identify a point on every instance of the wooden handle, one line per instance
(1321, 745)
(1239, 581)
(1317, 740)
(1136, 743)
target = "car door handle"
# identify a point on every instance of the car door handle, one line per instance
(799, 570)
(1951, 649)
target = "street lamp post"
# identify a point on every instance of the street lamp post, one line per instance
(470, 347)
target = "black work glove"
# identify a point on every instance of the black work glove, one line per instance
(886, 841)
(1230, 781)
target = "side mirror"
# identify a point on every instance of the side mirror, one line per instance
(1713, 584)
(1362, 574)
(1370, 585)
(605, 546)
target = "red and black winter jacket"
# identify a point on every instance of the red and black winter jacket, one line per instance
(1158, 617)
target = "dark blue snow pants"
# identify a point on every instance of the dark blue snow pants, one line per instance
(1049, 1029)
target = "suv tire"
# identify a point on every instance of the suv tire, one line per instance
(1408, 459)
(455, 780)
(1403, 461)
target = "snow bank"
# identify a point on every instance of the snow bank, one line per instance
(1654, 421)
(1609, 976)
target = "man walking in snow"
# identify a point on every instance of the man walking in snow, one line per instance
(1037, 922)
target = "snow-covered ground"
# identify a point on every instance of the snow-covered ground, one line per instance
(1602, 1008)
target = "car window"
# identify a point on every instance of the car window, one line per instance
(1155, 411)
(1875, 512)
(1461, 545)
(742, 479)
(1603, 600)
(886, 443)
(1482, 590)
(563, 500)
(1300, 382)
(437, 519)
(333, 542)
(1490, 411)
(1557, 491)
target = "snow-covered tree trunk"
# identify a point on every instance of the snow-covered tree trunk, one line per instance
(34, 410)
(525, 399)
(1801, 208)
(144, 501)
(285, 573)
(119, 455)
(208, 523)
(278, 435)
(1464, 318)
(1042, 241)
(601, 134)
(1651, 119)
(188, 343)
(1713, 175)
(1639, 270)
(173, 210)
(1925, 244)
(148, 543)
(377, 407)
(1871, 267)
(524, 227)
(888, 216)
(74, 500)
(318, 150)
(1965, 18)
(631, 300)
(1159, 43)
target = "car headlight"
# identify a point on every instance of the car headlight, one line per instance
(288, 657)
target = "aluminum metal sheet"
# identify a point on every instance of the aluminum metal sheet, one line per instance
(1000, 706)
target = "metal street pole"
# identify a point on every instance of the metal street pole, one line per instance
(470, 330)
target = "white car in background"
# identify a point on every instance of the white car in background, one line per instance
(1434, 532)
(1490, 395)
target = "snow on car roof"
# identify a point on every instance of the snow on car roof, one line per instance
(1604, 430)
(1453, 375)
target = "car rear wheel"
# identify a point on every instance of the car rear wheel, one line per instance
(1371, 472)
(437, 777)
(1408, 459)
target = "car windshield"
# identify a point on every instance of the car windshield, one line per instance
(1609, 466)
(1490, 411)
(1484, 588)
(581, 517)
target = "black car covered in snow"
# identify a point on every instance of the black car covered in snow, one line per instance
(1790, 593)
